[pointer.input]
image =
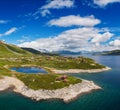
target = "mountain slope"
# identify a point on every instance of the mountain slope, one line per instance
(31, 50)
(8, 50)
(34, 51)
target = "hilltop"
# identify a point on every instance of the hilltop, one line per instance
(10, 50)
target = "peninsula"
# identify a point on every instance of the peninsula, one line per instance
(66, 94)
(45, 86)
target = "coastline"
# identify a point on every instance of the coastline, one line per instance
(73, 71)
(66, 94)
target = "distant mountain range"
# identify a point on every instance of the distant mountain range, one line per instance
(67, 52)
(37, 52)
(113, 52)
(8, 50)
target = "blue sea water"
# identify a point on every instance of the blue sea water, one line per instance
(106, 99)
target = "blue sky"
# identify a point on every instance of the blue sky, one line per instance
(56, 25)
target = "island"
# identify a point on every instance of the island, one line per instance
(56, 84)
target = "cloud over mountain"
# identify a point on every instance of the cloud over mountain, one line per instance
(79, 39)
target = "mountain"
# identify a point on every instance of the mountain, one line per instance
(8, 50)
(32, 50)
(37, 52)
(113, 52)
(64, 52)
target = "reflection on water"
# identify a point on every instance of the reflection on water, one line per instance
(29, 70)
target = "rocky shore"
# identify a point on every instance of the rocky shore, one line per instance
(66, 94)
(80, 70)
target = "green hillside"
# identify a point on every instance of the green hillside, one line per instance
(9, 50)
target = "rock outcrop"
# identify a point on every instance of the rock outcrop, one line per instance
(66, 94)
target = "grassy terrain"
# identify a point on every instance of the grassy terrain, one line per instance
(13, 56)
(46, 81)
(9, 50)
(59, 62)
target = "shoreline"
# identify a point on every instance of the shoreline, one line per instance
(66, 94)
(73, 71)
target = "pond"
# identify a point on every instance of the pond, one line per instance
(30, 70)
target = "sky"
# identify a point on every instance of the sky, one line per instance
(61, 25)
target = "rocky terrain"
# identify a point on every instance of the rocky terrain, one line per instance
(66, 94)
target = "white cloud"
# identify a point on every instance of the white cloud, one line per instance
(3, 21)
(10, 31)
(103, 3)
(115, 43)
(24, 39)
(45, 12)
(56, 4)
(73, 20)
(0, 35)
(51, 4)
(75, 40)
(102, 37)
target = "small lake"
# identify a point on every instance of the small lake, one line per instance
(30, 70)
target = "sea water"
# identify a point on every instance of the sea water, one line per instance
(106, 99)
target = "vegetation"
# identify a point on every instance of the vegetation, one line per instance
(59, 62)
(46, 81)
(13, 56)
(12, 51)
